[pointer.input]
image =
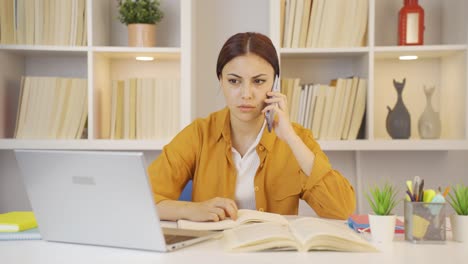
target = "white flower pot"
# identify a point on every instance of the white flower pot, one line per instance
(459, 225)
(382, 227)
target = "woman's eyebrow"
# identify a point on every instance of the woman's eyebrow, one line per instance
(235, 75)
(253, 77)
(259, 75)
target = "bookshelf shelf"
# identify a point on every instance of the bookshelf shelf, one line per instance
(83, 144)
(322, 52)
(326, 145)
(42, 48)
(433, 51)
(394, 145)
(132, 50)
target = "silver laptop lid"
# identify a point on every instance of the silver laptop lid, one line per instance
(92, 197)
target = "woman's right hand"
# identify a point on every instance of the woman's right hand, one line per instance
(215, 209)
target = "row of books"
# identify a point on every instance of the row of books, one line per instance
(144, 108)
(51, 108)
(43, 22)
(332, 112)
(323, 23)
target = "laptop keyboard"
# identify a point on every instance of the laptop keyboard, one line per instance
(172, 239)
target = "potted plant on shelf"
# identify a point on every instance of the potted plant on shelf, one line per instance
(141, 17)
(382, 222)
(459, 221)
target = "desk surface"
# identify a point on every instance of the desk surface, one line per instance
(399, 251)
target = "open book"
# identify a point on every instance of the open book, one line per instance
(303, 234)
(244, 216)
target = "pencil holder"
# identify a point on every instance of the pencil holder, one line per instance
(425, 222)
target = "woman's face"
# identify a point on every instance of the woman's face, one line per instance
(245, 80)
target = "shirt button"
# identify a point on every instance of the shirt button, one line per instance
(261, 209)
(256, 188)
(262, 148)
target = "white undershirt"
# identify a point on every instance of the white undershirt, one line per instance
(246, 168)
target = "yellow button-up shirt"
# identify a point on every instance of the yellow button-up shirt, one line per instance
(202, 152)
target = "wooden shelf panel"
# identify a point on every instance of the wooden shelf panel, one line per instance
(84, 144)
(327, 145)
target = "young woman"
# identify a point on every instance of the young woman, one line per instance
(235, 162)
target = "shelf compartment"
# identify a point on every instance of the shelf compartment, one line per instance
(442, 67)
(314, 67)
(445, 22)
(67, 62)
(120, 64)
(109, 31)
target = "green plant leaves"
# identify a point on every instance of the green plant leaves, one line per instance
(139, 11)
(459, 200)
(382, 200)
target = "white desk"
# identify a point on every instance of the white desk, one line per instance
(400, 251)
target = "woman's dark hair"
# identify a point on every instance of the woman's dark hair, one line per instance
(244, 43)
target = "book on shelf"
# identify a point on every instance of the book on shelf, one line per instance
(323, 24)
(244, 216)
(303, 234)
(319, 109)
(289, 20)
(144, 108)
(360, 223)
(29, 234)
(34, 22)
(297, 23)
(17, 221)
(305, 23)
(353, 81)
(330, 98)
(359, 108)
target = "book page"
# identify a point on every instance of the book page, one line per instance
(220, 225)
(261, 236)
(244, 216)
(248, 216)
(324, 234)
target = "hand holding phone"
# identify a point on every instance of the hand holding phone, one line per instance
(270, 114)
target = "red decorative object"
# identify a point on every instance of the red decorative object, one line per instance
(411, 24)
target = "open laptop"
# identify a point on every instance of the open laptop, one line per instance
(99, 198)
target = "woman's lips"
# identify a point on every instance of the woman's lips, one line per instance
(246, 108)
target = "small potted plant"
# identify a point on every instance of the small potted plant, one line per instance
(382, 223)
(141, 17)
(459, 221)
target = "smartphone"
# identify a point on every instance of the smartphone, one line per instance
(271, 114)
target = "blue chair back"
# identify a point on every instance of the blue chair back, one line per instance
(186, 194)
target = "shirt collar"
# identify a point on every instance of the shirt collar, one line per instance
(223, 129)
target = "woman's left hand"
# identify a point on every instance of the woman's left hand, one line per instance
(282, 125)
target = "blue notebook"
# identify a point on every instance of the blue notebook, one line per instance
(30, 234)
(360, 223)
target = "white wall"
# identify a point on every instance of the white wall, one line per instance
(216, 21)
